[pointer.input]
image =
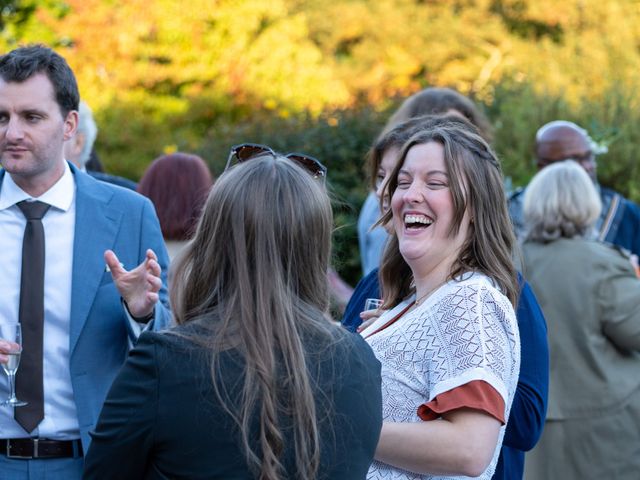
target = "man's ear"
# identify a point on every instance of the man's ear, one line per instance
(70, 124)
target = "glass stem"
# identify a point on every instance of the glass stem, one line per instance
(12, 386)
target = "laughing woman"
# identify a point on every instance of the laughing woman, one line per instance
(449, 343)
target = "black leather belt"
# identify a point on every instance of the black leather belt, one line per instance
(27, 448)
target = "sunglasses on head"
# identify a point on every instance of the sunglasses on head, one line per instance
(247, 151)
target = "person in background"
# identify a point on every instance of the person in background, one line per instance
(79, 148)
(94, 164)
(439, 101)
(448, 340)
(591, 298)
(178, 185)
(527, 415)
(58, 227)
(255, 381)
(371, 238)
(619, 220)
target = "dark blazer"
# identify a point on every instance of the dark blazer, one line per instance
(107, 217)
(114, 179)
(162, 419)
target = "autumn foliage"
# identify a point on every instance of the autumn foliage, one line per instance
(321, 76)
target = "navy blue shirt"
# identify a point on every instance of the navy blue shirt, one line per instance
(529, 407)
(625, 231)
(367, 287)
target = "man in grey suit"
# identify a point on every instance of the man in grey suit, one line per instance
(78, 315)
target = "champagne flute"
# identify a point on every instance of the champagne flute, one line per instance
(12, 333)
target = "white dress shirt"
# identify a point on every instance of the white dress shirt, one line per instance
(60, 416)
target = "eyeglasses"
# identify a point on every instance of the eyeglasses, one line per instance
(586, 158)
(247, 151)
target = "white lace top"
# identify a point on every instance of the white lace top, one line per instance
(466, 330)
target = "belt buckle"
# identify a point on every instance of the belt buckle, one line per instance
(23, 457)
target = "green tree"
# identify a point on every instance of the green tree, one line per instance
(320, 76)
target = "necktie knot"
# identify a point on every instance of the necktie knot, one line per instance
(33, 210)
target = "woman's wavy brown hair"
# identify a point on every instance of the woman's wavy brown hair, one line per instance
(255, 275)
(476, 185)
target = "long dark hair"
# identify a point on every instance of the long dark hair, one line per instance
(255, 275)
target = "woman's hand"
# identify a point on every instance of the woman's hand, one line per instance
(368, 317)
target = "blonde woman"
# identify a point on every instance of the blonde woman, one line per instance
(591, 299)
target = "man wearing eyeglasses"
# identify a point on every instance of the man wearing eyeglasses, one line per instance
(619, 222)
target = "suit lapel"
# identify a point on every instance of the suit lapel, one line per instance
(96, 227)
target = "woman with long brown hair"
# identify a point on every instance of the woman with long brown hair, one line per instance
(448, 340)
(526, 418)
(255, 381)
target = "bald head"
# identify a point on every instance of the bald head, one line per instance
(560, 140)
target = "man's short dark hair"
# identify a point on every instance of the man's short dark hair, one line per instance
(22, 63)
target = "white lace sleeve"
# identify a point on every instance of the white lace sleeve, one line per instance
(478, 340)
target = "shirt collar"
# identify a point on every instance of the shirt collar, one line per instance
(59, 196)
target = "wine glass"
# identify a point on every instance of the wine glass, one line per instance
(372, 304)
(12, 333)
